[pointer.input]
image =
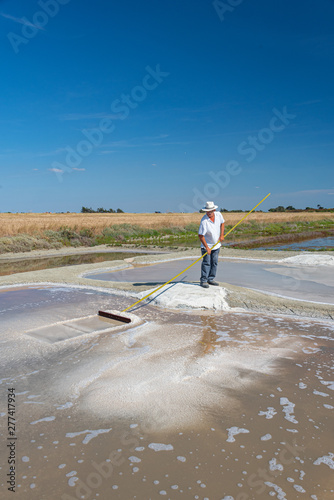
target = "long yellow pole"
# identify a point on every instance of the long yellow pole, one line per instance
(186, 269)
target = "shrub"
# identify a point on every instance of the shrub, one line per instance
(52, 235)
(26, 243)
(87, 232)
(192, 228)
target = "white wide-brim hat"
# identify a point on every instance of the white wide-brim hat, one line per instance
(209, 206)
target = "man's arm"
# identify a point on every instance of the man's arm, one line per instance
(208, 249)
(222, 227)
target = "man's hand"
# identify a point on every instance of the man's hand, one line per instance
(208, 249)
(222, 230)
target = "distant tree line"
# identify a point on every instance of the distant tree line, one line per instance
(86, 210)
(290, 208)
(232, 211)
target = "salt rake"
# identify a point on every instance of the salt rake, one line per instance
(124, 319)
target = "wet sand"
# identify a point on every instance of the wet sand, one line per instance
(225, 404)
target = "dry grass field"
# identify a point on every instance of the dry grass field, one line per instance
(32, 224)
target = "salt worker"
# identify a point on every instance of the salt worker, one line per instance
(211, 231)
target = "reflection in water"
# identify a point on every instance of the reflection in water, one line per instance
(313, 244)
(23, 266)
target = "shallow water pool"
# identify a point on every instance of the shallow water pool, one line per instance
(29, 264)
(313, 244)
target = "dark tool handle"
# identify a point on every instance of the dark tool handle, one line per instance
(114, 316)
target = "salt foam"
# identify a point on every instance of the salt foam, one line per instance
(188, 296)
(233, 431)
(326, 459)
(91, 434)
(160, 447)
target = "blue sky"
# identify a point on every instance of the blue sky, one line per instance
(154, 105)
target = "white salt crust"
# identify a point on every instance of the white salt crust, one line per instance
(309, 260)
(188, 296)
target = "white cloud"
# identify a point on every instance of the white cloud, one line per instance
(88, 116)
(21, 20)
(307, 192)
(51, 153)
(56, 170)
(307, 103)
(142, 142)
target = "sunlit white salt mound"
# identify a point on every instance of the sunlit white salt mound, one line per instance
(310, 260)
(184, 296)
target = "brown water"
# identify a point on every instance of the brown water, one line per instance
(22, 266)
(195, 406)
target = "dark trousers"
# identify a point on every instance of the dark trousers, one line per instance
(209, 265)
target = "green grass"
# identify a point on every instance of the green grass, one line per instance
(252, 234)
(261, 234)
